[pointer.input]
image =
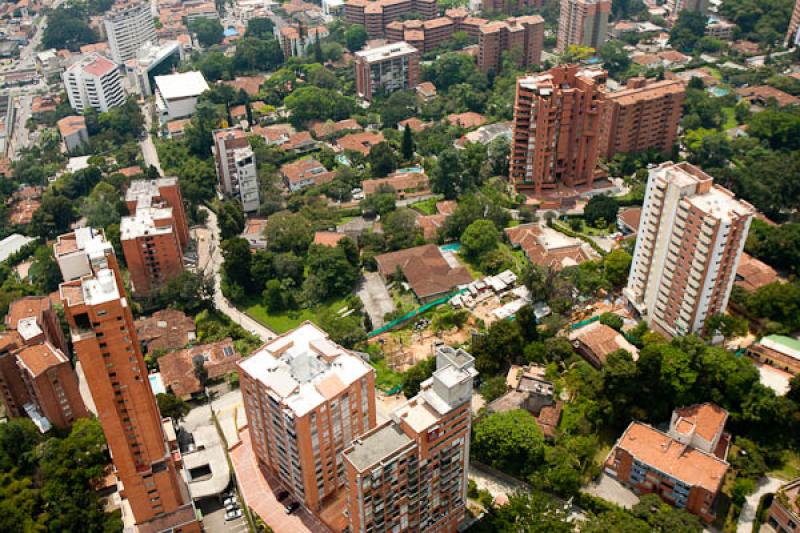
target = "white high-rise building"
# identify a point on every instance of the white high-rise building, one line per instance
(129, 24)
(236, 167)
(94, 82)
(690, 239)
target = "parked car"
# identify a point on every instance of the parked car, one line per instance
(229, 500)
(232, 506)
(233, 515)
(282, 495)
(292, 507)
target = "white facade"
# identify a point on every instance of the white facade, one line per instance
(94, 82)
(149, 57)
(176, 94)
(247, 173)
(690, 239)
(236, 167)
(128, 26)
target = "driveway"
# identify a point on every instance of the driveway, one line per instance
(209, 451)
(214, 518)
(748, 514)
(612, 490)
(376, 298)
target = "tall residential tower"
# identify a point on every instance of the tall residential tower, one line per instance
(690, 239)
(583, 23)
(129, 25)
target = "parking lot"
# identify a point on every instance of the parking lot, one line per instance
(214, 518)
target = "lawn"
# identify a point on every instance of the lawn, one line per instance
(386, 377)
(730, 118)
(286, 320)
(426, 207)
(791, 466)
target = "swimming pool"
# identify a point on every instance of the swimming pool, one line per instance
(230, 32)
(418, 170)
(156, 384)
(452, 247)
(718, 91)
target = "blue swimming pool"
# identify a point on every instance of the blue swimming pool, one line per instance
(230, 32)
(452, 247)
(718, 91)
(156, 384)
(410, 169)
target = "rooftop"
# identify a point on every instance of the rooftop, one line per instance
(142, 191)
(425, 268)
(706, 419)
(367, 450)
(70, 125)
(39, 358)
(178, 368)
(181, 85)
(304, 368)
(782, 344)
(12, 244)
(27, 307)
(660, 451)
(146, 223)
(752, 274)
(387, 51)
(602, 340)
(167, 329)
(95, 65)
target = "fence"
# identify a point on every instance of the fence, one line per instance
(411, 314)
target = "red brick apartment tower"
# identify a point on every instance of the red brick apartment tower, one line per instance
(410, 473)
(784, 513)
(154, 236)
(642, 116)
(556, 129)
(38, 311)
(583, 23)
(104, 339)
(690, 239)
(525, 34)
(306, 399)
(792, 34)
(511, 7)
(385, 69)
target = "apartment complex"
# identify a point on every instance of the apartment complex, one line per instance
(674, 7)
(685, 467)
(73, 132)
(783, 515)
(104, 339)
(410, 473)
(793, 32)
(36, 377)
(642, 116)
(583, 23)
(129, 25)
(511, 7)
(94, 82)
(296, 40)
(690, 238)
(154, 235)
(385, 69)
(151, 60)
(374, 15)
(177, 94)
(556, 129)
(523, 35)
(236, 167)
(306, 399)
(428, 35)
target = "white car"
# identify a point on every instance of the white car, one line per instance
(229, 500)
(233, 515)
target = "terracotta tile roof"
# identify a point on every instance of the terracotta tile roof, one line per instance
(414, 123)
(43, 104)
(673, 56)
(299, 140)
(405, 181)
(168, 329)
(177, 126)
(27, 307)
(99, 66)
(274, 132)
(96, 47)
(250, 84)
(238, 111)
(660, 451)
(426, 89)
(430, 225)
(752, 274)
(40, 358)
(131, 171)
(630, 217)
(526, 236)
(304, 169)
(70, 125)
(426, 270)
(360, 142)
(29, 192)
(601, 340)
(707, 419)
(762, 93)
(10, 340)
(178, 368)
(467, 120)
(446, 207)
(328, 238)
(328, 128)
(23, 210)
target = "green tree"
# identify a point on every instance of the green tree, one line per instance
(688, 30)
(453, 69)
(190, 292)
(615, 58)
(599, 207)
(230, 219)
(612, 320)
(400, 228)
(398, 106)
(447, 177)
(379, 203)
(208, 31)
(44, 272)
(172, 406)
(501, 346)
(288, 232)
(355, 37)
(53, 217)
(493, 388)
(257, 55)
(407, 148)
(260, 28)
(616, 266)
(510, 441)
(101, 207)
(530, 512)
(238, 259)
(314, 103)
(382, 160)
(330, 273)
(71, 31)
(480, 238)
(416, 375)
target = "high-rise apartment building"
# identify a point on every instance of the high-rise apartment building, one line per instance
(236, 167)
(374, 15)
(410, 473)
(94, 82)
(385, 69)
(154, 235)
(674, 7)
(556, 129)
(642, 116)
(690, 239)
(583, 23)
(511, 7)
(36, 378)
(428, 35)
(306, 399)
(129, 25)
(524, 36)
(104, 339)
(793, 31)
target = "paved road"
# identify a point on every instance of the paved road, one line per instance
(213, 267)
(149, 151)
(748, 514)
